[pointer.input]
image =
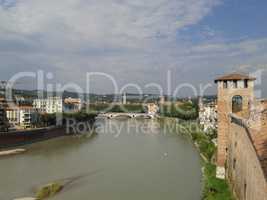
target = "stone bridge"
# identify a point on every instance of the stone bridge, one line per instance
(128, 115)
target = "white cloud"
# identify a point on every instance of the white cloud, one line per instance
(135, 40)
(238, 48)
(106, 22)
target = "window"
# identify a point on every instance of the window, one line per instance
(234, 163)
(235, 84)
(245, 190)
(246, 83)
(224, 84)
(237, 104)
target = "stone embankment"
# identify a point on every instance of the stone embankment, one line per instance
(12, 152)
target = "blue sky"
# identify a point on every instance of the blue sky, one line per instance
(239, 19)
(233, 20)
(136, 41)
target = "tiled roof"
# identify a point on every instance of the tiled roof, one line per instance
(234, 76)
(72, 101)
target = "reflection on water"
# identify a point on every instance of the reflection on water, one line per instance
(127, 159)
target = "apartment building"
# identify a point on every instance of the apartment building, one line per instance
(23, 116)
(49, 105)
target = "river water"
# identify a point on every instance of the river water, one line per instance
(126, 159)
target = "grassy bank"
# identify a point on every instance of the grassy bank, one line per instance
(214, 188)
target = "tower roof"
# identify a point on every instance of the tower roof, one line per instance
(234, 77)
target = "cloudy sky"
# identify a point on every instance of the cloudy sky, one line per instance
(135, 41)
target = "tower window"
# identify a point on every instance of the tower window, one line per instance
(237, 104)
(224, 84)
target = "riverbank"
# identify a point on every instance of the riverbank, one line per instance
(25, 137)
(214, 188)
(12, 152)
(71, 124)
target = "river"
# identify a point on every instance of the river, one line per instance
(126, 159)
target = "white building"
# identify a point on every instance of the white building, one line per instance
(49, 105)
(152, 109)
(23, 116)
(208, 115)
(72, 104)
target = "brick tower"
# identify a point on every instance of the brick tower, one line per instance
(235, 93)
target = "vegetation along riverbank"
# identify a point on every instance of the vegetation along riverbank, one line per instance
(214, 188)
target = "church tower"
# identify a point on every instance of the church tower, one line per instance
(235, 94)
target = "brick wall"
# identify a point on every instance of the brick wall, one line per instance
(224, 108)
(243, 167)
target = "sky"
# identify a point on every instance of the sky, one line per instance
(134, 41)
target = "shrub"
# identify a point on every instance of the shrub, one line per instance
(206, 146)
(215, 189)
(49, 191)
(183, 111)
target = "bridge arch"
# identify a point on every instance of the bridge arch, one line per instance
(127, 115)
(121, 115)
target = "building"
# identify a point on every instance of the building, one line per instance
(22, 116)
(57, 105)
(152, 108)
(3, 120)
(4, 125)
(208, 115)
(242, 137)
(49, 105)
(231, 87)
(72, 104)
(124, 99)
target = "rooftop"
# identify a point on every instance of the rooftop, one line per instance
(19, 108)
(234, 77)
(72, 101)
